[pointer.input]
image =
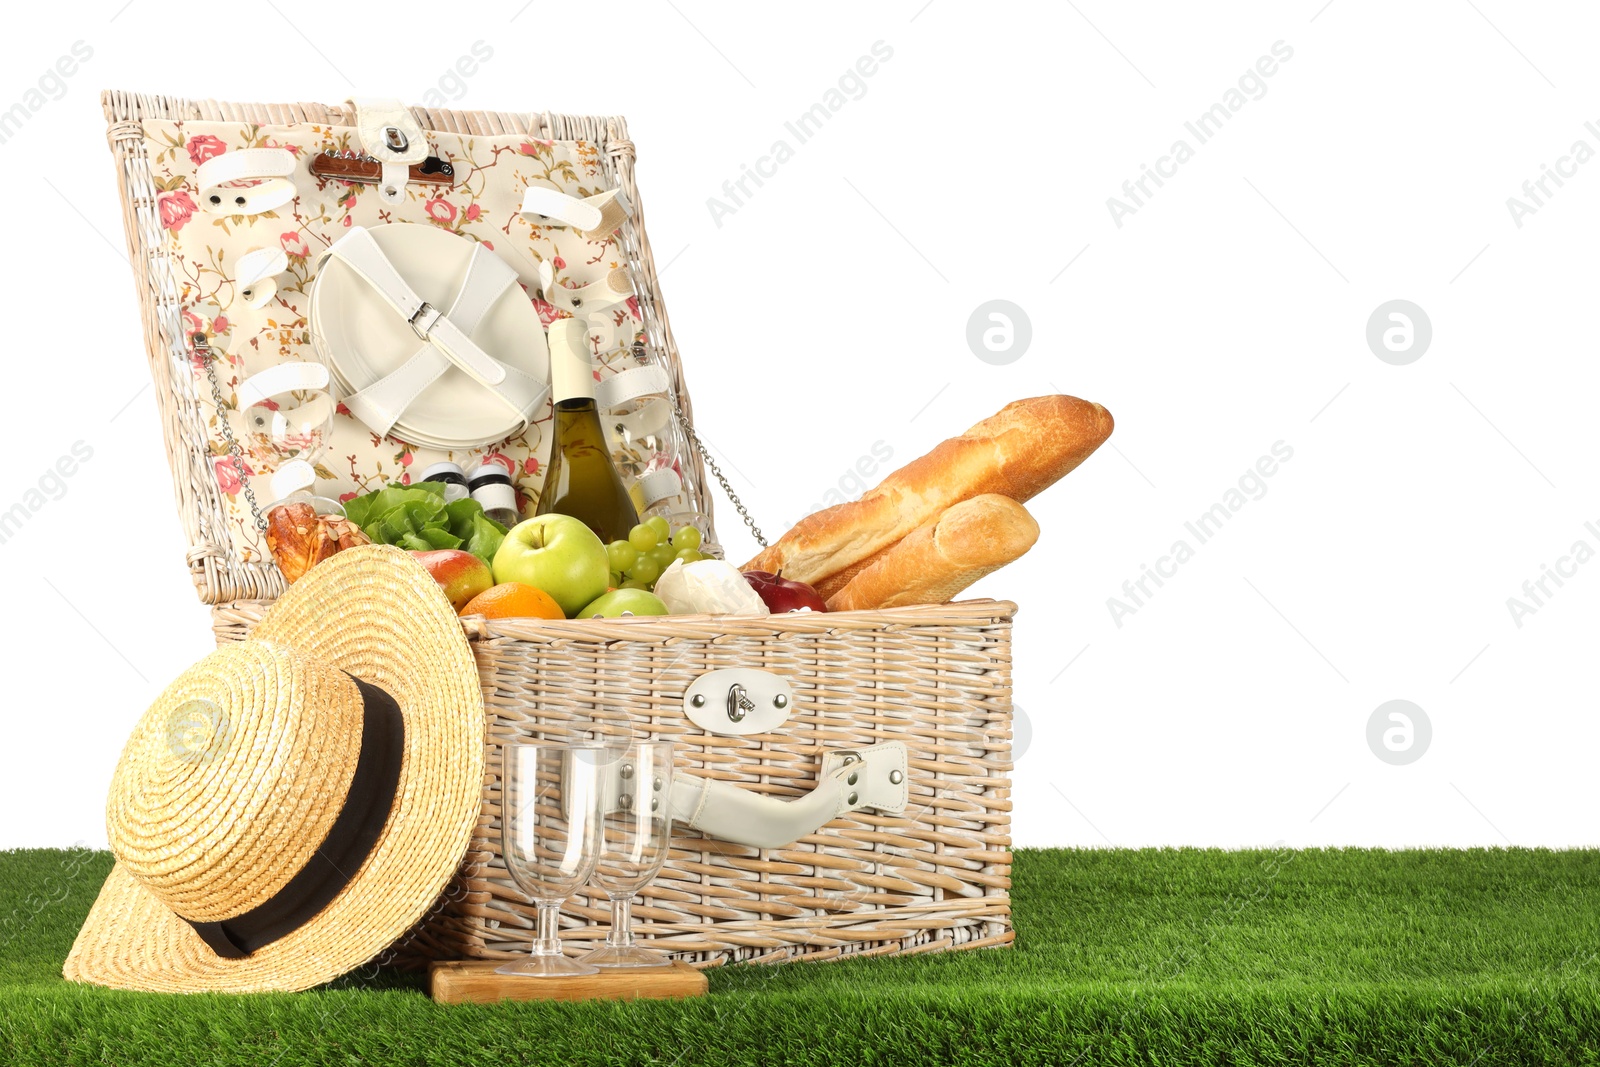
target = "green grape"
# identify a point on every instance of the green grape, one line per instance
(689, 555)
(688, 537)
(634, 583)
(663, 555)
(622, 555)
(646, 570)
(659, 525)
(643, 537)
(616, 580)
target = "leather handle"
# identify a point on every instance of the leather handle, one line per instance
(854, 780)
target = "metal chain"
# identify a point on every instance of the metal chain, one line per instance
(716, 472)
(203, 348)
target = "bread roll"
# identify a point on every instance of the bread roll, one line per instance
(299, 538)
(1017, 452)
(936, 561)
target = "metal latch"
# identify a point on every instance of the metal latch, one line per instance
(739, 700)
(739, 703)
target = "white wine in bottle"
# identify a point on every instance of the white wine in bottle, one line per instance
(580, 479)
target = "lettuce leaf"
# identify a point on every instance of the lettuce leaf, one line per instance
(479, 534)
(416, 518)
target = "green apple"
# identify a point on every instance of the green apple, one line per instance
(558, 554)
(620, 602)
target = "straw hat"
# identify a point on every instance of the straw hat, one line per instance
(294, 803)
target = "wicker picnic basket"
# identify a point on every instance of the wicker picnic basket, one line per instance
(936, 678)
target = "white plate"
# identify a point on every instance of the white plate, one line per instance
(362, 339)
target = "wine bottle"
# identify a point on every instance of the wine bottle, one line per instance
(580, 479)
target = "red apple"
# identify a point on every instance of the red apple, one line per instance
(460, 574)
(782, 595)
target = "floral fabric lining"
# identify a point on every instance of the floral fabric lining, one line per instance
(483, 204)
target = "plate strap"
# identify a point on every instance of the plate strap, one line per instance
(446, 335)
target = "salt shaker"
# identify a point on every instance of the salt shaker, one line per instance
(490, 485)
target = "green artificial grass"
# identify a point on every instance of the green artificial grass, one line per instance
(1163, 957)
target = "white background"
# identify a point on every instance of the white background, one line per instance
(830, 310)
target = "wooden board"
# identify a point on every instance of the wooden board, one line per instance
(474, 982)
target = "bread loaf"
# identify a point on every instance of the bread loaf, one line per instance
(936, 561)
(1017, 453)
(830, 585)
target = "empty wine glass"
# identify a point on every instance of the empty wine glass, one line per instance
(551, 805)
(637, 836)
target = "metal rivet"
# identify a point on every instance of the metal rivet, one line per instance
(447, 170)
(627, 770)
(895, 777)
(657, 785)
(852, 779)
(626, 800)
(655, 803)
(698, 700)
(851, 799)
(780, 701)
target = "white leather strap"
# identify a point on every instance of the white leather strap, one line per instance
(392, 182)
(268, 168)
(631, 384)
(519, 391)
(594, 217)
(255, 275)
(659, 485)
(388, 131)
(614, 207)
(291, 477)
(382, 403)
(613, 287)
(849, 781)
(292, 416)
(284, 378)
(392, 136)
(558, 207)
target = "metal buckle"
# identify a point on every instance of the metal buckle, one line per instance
(424, 319)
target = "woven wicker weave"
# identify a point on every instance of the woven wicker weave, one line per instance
(937, 877)
(215, 566)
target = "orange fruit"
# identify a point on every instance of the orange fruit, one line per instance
(514, 600)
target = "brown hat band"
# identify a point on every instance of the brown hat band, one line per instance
(357, 828)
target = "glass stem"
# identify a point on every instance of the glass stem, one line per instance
(548, 942)
(621, 935)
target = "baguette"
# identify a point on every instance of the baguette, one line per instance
(1018, 452)
(827, 587)
(939, 559)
